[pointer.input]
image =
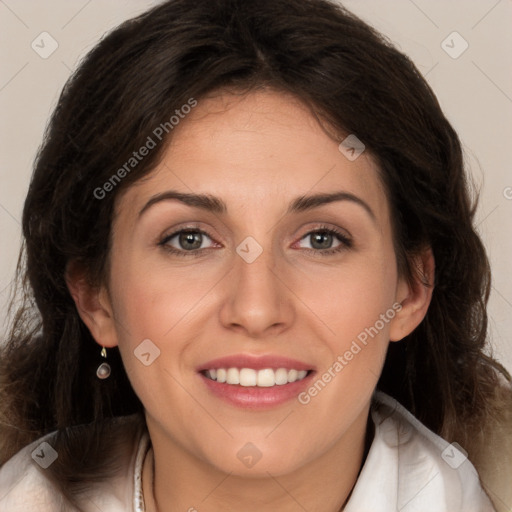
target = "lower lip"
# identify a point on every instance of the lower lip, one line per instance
(254, 397)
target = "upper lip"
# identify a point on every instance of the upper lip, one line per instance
(254, 361)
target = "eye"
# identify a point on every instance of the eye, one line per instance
(186, 240)
(192, 241)
(325, 241)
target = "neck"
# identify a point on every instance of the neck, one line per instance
(174, 480)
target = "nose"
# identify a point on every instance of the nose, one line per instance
(258, 302)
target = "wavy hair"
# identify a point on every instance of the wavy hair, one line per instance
(355, 81)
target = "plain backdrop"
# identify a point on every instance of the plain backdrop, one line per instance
(470, 71)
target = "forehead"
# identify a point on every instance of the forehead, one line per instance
(261, 148)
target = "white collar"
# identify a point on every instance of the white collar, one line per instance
(409, 468)
(142, 451)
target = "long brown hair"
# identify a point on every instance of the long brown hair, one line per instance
(134, 80)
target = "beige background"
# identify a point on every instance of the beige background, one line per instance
(474, 89)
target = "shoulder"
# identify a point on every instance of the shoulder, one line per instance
(411, 468)
(24, 487)
(491, 452)
(28, 479)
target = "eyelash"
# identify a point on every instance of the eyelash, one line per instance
(346, 242)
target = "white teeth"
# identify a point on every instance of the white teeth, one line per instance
(233, 376)
(247, 377)
(281, 376)
(266, 378)
(292, 375)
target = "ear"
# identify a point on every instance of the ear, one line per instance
(414, 296)
(93, 305)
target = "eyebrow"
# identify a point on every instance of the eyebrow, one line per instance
(215, 205)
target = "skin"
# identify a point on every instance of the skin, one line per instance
(257, 153)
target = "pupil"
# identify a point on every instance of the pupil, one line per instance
(190, 240)
(322, 240)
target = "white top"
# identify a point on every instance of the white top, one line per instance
(408, 468)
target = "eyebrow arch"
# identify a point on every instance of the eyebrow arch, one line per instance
(214, 204)
(202, 201)
(305, 203)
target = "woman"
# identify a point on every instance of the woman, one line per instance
(249, 240)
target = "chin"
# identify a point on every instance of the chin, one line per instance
(250, 460)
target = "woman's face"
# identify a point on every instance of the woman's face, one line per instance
(267, 276)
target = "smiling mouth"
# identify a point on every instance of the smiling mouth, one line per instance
(249, 377)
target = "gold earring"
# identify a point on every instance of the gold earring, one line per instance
(104, 370)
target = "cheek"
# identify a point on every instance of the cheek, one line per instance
(154, 306)
(358, 309)
(157, 302)
(154, 298)
(355, 306)
(350, 298)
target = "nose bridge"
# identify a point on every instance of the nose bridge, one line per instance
(257, 271)
(258, 299)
